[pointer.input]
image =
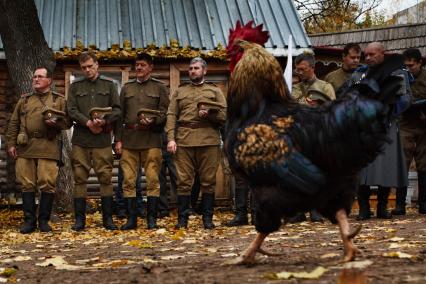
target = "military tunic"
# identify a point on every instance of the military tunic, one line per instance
(337, 78)
(141, 145)
(197, 138)
(36, 164)
(413, 129)
(92, 150)
(303, 90)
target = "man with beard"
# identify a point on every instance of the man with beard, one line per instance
(350, 61)
(196, 112)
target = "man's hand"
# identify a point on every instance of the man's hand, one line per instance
(145, 120)
(203, 112)
(93, 128)
(99, 122)
(117, 147)
(171, 147)
(12, 152)
(51, 123)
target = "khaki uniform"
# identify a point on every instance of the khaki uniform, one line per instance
(413, 129)
(197, 138)
(36, 165)
(92, 150)
(315, 89)
(142, 145)
(337, 78)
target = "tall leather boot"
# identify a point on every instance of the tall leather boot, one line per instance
(208, 205)
(382, 202)
(80, 214)
(240, 218)
(132, 218)
(422, 191)
(152, 204)
(183, 204)
(401, 195)
(29, 208)
(364, 203)
(44, 211)
(106, 204)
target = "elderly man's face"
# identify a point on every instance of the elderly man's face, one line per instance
(196, 72)
(305, 71)
(374, 56)
(41, 82)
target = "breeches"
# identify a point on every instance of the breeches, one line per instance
(33, 173)
(101, 160)
(150, 160)
(414, 143)
(204, 160)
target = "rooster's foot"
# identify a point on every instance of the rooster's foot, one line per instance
(248, 256)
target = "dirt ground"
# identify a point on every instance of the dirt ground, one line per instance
(393, 251)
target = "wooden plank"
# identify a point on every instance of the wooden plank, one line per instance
(174, 78)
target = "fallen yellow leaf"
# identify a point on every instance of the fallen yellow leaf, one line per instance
(398, 254)
(314, 274)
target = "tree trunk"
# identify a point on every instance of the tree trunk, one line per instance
(24, 43)
(26, 49)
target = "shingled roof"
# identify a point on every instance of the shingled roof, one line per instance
(394, 38)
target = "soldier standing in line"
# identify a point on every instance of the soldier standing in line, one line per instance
(350, 60)
(196, 112)
(311, 91)
(93, 105)
(32, 139)
(413, 131)
(144, 103)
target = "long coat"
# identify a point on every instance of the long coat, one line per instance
(388, 169)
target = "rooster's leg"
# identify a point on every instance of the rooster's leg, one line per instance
(248, 256)
(350, 249)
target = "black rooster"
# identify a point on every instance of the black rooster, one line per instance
(295, 157)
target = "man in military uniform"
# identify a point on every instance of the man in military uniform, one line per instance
(93, 105)
(144, 103)
(413, 131)
(32, 139)
(350, 60)
(196, 112)
(303, 91)
(311, 91)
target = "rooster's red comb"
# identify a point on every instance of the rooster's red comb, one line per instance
(248, 33)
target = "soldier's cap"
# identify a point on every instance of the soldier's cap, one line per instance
(149, 113)
(318, 96)
(210, 105)
(51, 113)
(99, 112)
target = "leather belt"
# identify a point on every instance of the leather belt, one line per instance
(194, 125)
(36, 134)
(136, 126)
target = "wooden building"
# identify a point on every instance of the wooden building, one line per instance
(172, 31)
